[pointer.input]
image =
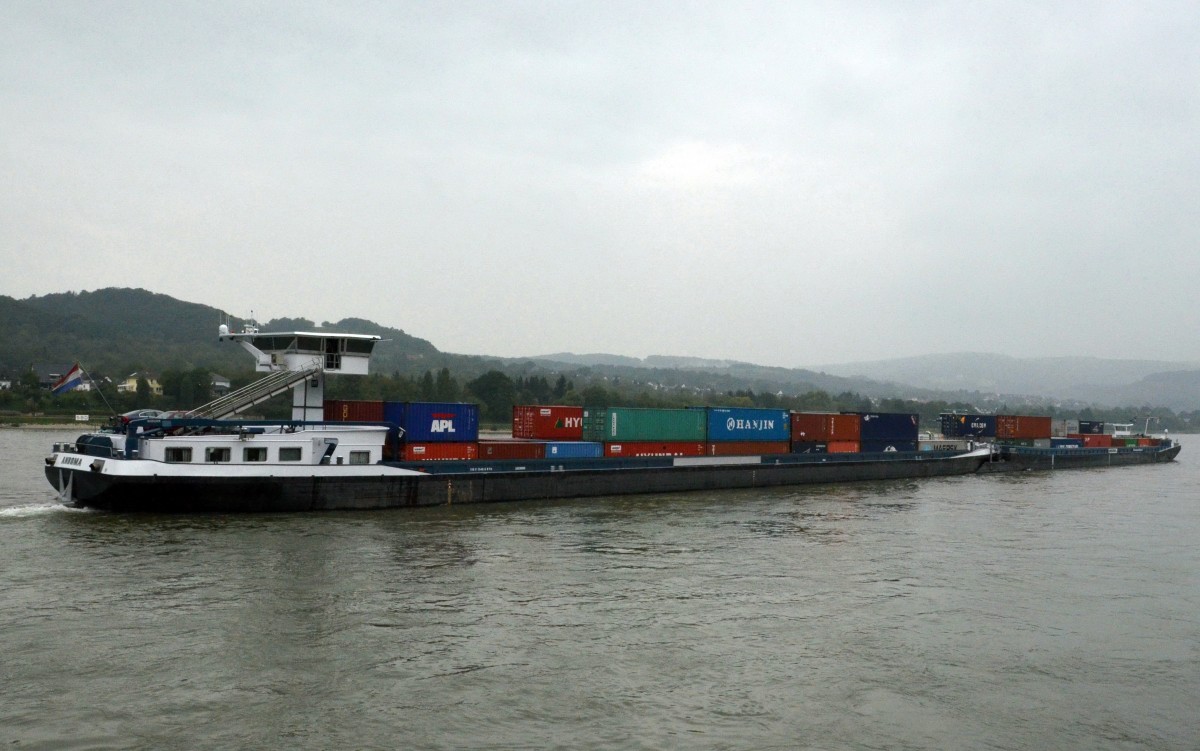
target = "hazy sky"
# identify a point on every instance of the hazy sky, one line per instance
(785, 183)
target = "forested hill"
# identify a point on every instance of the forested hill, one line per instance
(115, 331)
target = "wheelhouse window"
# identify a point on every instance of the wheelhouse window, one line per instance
(256, 454)
(360, 457)
(178, 455)
(289, 454)
(215, 454)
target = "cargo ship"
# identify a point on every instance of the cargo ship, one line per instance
(335, 455)
(1037, 442)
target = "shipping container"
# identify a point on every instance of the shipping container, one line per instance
(1066, 443)
(810, 447)
(747, 448)
(1027, 442)
(1147, 442)
(1072, 427)
(825, 426)
(552, 423)
(968, 426)
(843, 447)
(416, 452)
(745, 424)
(1094, 440)
(1022, 426)
(623, 424)
(512, 450)
(628, 449)
(889, 426)
(342, 410)
(875, 446)
(430, 422)
(1093, 427)
(574, 450)
(945, 444)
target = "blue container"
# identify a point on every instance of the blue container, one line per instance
(435, 422)
(968, 426)
(748, 424)
(1062, 443)
(889, 426)
(574, 450)
(1091, 427)
(875, 446)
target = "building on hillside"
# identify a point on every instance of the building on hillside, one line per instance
(5, 383)
(129, 384)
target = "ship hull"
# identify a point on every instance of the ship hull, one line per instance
(397, 486)
(1021, 458)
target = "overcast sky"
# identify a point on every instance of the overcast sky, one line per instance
(783, 183)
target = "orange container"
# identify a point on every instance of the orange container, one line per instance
(1023, 426)
(343, 410)
(843, 447)
(512, 450)
(547, 422)
(416, 452)
(627, 449)
(747, 448)
(819, 427)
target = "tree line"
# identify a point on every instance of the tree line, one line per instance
(497, 392)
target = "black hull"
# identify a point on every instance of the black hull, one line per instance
(1021, 459)
(190, 495)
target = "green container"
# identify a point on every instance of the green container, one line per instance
(1026, 442)
(633, 424)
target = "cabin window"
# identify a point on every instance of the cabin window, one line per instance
(257, 454)
(178, 455)
(360, 457)
(289, 454)
(216, 454)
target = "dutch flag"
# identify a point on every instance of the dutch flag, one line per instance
(72, 379)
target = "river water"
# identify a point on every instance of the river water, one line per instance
(1033, 611)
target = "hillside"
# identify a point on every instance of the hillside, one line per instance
(1085, 379)
(115, 331)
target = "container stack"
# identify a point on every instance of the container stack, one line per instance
(1023, 430)
(968, 426)
(632, 432)
(825, 433)
(429, 430)
(889, 431)
(735, 431)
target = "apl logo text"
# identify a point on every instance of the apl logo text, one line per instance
(442, 423)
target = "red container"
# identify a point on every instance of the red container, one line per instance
(512, 450)
(1023, 426)
(747, 448)
(341, 410)
(1094, 440)
(547, 423)
(627, 449)
(843, 447)
(416, 452)
(810, 427)
(1147, 441)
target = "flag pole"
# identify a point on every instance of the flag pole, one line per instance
(98, 391)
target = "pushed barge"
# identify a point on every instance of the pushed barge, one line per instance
(297, 466)
(205, 461)
(1022, 458)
